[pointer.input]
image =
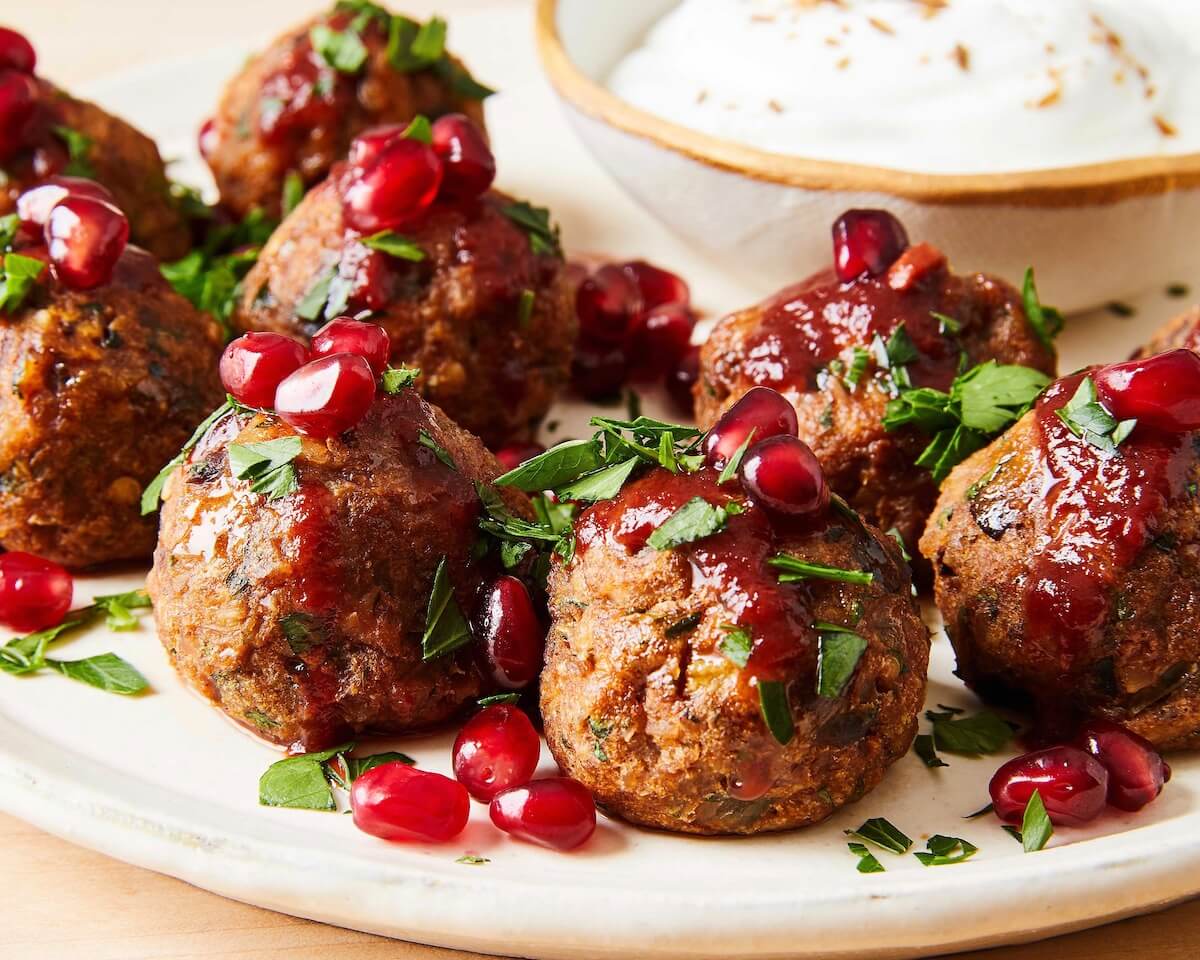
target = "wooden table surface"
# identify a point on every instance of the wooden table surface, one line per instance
(62, 901)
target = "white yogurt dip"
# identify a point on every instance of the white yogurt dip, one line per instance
(939, 86)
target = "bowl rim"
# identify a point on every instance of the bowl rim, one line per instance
(1086, 184)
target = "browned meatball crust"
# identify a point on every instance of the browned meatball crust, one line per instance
(107, 384)
(493, 362)
(302, 617)
(1070, 581)
(114, 154)
(289, 110)
(804, 342)
(1181, 332)
(641, 705)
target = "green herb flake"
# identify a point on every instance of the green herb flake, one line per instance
(945, 851)
(794, 570)
(1120, 309)
(153, 492)
(867, 861)
(79, 148)
(293, 192)
(694, 521)
(1046, 321)
(947, 325)
(343, 50)
(300, 782)
(472, 860)
(923, 747)
(838, 653)
(525, 305)
(560, 464)
(1088, 419)
(883, 834)
(599, 731)
(604, 484)
(983, 733)
(1036, 828)
(496, 698)
(18, 279)
(267, 465)
(445, 627)
(425, 439)
(776, 710)
(396, 379)
(729, 471)
(861, 357)
(535, 221)
(395, 245)
(895, 534)
(302, 631)
(736, 645)
(105, 671)
(312, 305)
(981, 812)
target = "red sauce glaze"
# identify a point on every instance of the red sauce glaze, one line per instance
(807, 325)
(1101, 512)
(731, 563)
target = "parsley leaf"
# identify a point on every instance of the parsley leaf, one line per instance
(425, 439)
(1036, 828)
(560, 464)
(343, 50)
(535, 221)
(729, 471)
(313, 304)
(17, 280)
(924, 748)
(695, 520)
(495, 698)
(736, 645)
(776, 710)
(970, 736)
(838, 653)
(1088, 419)
(267, 465)
(794, 569)
(604, 484)
(106, 671)
(396, 379)
(394, 245)
(882, 834)
(293, 192)
(944, 851)
(118, 608)
(867, 861)
(153, 492)
(79, 145)
(460, 81)
(301, 782)
(1046, 321)
(445, 627)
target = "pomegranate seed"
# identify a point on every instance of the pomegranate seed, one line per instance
(557, 812)
(370, 274)
(598, 370)
(514, 637)
(608, 304)
(662, 336)
(1072, 785)
(762, 410)
(327, 396)
(18, 97)
(347, 335)
(1136, 771)
(207, 139)
(466, 157)
(86, 238)
(367, 147)
(497, 749)
(35, 204)
(783, 474)
(1160, 392)
(657, 286)
(515, 454)
(253, 366)
(682, 378)
(396, 189)
(398, 802)
(866, 241)
(16, 52)
(34, 593)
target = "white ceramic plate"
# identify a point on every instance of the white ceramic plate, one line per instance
(165, 782)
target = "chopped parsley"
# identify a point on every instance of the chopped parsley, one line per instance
(267, 465)
(604, 484)
(153, 492)
(495, 698)
(794, 569)
(983, 733)
(776, 711)
(525, 305)
(422, 46)
(729, 471)
(301, 782)
(944, 851)
(293, 192)
(858, 366)
(17, 280)
(472, 860)
(446, 628)
(1046, 321)
(982, 403)
(79, 146)
(736, 645)
(883, 834)
(867, 861)
(1086, 417)
(535, 221)
(425, 439)
(695, 520)
(343, 50)
(924, 748)
(1036, 828)
(599, 731)
(838, 653)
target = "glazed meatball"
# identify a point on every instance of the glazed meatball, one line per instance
(106, 385)
(293, 111)
(70, 136)
(1183, 331)
(302, 616)
(1068, 570)
(642, 694)
(826, 345)
(486, 318)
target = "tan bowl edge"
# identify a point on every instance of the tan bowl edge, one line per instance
(1088, 185)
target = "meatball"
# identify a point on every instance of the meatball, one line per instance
(486, 318)
(302, 616)
(294, 109)
(70, 136)
(1183, 331)
(642, 694)
(106, 385)
(1068, 573)
(829, 347)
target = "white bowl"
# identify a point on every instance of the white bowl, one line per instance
(1095, 233)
